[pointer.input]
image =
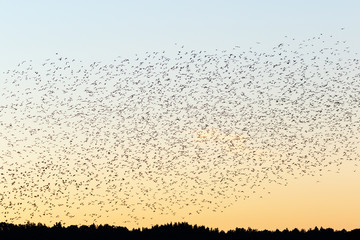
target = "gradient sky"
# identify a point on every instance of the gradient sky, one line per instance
(103, 30)
(90, 29)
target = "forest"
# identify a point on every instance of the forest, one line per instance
(168, 231)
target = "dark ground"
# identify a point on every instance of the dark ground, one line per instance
(168, 231)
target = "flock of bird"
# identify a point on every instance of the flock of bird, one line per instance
(173, 134)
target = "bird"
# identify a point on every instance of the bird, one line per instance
(173, 134)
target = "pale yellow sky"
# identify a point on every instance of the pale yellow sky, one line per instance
(330, 200)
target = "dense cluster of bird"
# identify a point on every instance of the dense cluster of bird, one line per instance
(173, 134)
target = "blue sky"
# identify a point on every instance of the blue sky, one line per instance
(98, 30)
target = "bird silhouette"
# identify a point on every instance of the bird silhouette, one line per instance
(173, 134)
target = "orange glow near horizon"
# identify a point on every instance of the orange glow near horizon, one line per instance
(330, 200)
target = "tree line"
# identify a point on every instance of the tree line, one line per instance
(176, 231)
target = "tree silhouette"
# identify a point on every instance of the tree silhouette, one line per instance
(181, 230)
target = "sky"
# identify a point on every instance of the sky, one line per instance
(89, 29)
(101, 31)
